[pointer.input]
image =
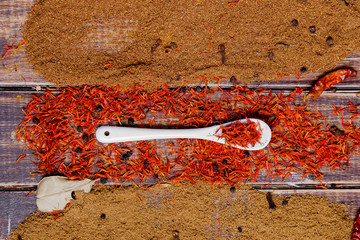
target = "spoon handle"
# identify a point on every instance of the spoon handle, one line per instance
(112, 134)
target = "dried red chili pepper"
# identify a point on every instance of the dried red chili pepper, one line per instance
(356, 228)
(329, 80)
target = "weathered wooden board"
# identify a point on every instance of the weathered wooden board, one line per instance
(15, 70)
(18, 173)
(13, 173)
(14, 207)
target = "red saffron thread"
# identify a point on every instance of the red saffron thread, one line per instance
(59, 130)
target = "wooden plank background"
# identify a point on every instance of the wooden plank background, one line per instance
(18, 81)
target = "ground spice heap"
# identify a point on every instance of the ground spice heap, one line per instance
(127, 42)
(59, 130)
(189, 212)
(242, 134)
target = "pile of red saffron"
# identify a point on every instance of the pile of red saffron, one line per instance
(241, 134)
(59, 130)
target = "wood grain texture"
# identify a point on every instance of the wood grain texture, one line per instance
(15, 176)
(15, 207)
(15, 180)
(18, 173)
(10, 114)
(15, 70)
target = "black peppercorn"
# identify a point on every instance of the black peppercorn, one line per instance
(176, 235)
(329, 41)
(312, 29)
(294, 23)
(146, 164)
(99, 108)
(233, 80)
(79, 129)
(85, 137)
(126, 155)
(78, 150)
(271, 56)
(131, 121)
(35, 120)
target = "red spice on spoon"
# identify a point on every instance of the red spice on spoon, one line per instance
(242, 134)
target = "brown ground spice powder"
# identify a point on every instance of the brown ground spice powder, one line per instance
(189, 212)
(153, 42)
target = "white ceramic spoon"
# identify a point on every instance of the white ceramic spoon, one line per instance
(112, 134)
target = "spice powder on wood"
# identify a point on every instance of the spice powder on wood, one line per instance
(189, 212)
(154, 42)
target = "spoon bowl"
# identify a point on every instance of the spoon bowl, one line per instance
(112, 134)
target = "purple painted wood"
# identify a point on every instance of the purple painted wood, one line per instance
(14, 208)
(15, 71)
